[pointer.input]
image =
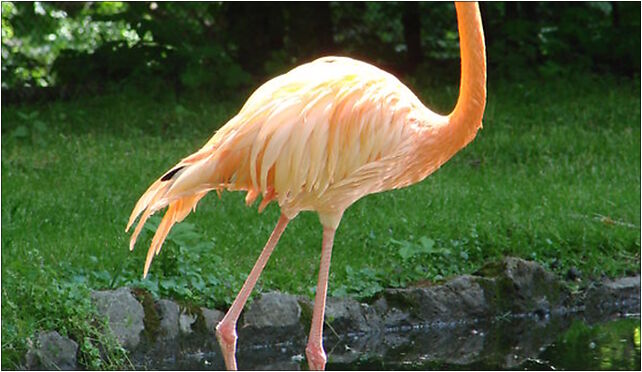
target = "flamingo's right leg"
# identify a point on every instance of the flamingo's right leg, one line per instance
(314, 350)
(226, 329)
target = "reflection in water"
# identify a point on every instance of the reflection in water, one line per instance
(568, 342)
(611, 346)
(527, 343)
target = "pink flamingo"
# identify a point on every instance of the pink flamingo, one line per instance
(318, 138)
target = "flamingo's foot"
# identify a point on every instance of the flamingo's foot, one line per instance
(316, 357)
(226, 336)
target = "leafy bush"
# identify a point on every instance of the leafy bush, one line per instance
(55, 303)
(217, 46)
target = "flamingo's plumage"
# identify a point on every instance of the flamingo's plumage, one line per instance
(322, 136)
(317, 138)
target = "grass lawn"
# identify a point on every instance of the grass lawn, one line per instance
(554, 176)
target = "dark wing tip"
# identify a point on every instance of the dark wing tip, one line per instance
(168, 176)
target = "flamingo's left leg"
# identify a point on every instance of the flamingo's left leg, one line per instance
(314, 350)
(226, 329)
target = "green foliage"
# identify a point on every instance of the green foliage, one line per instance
(36, 33)
(187, 269)
(215, 47)
(554, 39)
(185, 36)
(45, 301)
(369, 28)
(364, 283)
(99, 43)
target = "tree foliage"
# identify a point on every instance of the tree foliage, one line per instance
(220, 46)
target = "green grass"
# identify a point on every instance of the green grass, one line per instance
(554, 176)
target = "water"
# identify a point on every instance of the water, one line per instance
(522, 343)
(560, 344)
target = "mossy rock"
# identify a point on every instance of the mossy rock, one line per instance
(518, 286)
(152, 318)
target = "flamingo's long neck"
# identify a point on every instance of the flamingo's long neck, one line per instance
(466, 118)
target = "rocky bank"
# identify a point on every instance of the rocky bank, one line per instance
(160, 332)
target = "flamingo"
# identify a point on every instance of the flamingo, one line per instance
(319, 138)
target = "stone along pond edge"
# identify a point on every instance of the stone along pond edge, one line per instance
(511, 287)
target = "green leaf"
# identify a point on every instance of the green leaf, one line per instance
(349, 270)
(406, 251)
(20, 132)
(40, 126)
(427, 244)
(168, 283)
(27, 116)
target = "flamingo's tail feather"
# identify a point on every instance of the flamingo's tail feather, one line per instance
(181, 188)
(176, 212)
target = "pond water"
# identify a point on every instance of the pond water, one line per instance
(516, 343)
(612, 345)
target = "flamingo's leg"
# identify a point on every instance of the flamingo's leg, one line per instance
(226, 329)
(314, 350)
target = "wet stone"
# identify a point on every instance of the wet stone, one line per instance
(185, 321)
(392, 317)
(124, 313)
(519, 286)
(52, 352)
(628, 286)
(212, 318)
(346, 315)
(621, 295)
(460, 298)
(273, 309)
(168, 312)
(273, 314)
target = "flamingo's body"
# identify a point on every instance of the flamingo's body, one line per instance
(317, 139)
